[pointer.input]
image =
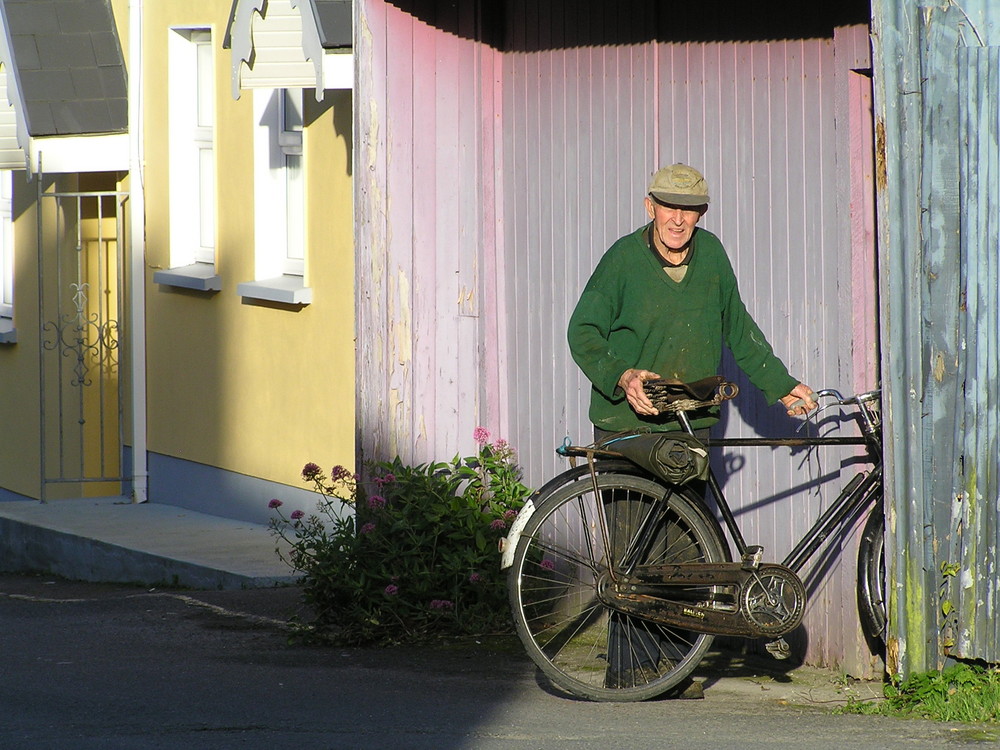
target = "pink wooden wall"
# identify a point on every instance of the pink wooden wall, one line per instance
(429, 337)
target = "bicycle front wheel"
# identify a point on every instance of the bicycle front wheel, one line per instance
(565, 552)
(871, 574)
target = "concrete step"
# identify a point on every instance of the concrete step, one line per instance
(115, 541)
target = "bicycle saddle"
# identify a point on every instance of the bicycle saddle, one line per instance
(713, 389)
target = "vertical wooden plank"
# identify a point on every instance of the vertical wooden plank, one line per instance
(371, 249)
(403, 318)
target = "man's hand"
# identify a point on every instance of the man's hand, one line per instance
(631, 382)
(800, 401)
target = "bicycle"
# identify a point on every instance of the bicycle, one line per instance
(620, 579)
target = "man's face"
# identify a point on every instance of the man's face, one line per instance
(672, 225)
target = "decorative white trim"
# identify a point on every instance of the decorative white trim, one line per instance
(283, 39)
(79, 153)
(338, 70)
(242, 39)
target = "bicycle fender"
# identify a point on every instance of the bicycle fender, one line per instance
(509, 543)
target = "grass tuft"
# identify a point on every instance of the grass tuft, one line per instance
(962, 692)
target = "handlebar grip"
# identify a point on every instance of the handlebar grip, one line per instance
(801, 402)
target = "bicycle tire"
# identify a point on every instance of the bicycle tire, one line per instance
(567, 632)
(871, 574)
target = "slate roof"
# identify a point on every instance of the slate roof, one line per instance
(334, 21)
(68, 64)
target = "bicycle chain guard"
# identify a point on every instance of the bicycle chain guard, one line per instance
(766, 602)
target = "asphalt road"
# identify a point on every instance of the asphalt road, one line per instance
(106, 666)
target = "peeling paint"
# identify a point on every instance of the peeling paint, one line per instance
(939, 369)
(401, 322)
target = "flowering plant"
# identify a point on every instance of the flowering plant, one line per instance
(418, 554)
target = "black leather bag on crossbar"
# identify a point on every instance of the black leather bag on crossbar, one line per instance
(675, 456)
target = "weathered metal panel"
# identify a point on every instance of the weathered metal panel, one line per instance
(934, 91)
(971, 630)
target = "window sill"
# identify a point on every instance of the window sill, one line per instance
(289, 290)
(8, 334)
(198, 276)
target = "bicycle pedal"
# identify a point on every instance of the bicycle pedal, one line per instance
(752, 557)
(779, 649)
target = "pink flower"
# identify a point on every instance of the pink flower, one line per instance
(384, 480)
(481, 435)
(442, 604)
(297, 514)
(311, 471)
(510, 514)
(339, 473)
(367, 528)
(475, 578)
(376, 502)
(498, 524)
(501, 445)
(548, 564)
(391, 590)
(275, 503)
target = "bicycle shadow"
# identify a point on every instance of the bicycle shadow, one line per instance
(826, 469)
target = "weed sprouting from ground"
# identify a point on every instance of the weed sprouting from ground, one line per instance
(962, 692)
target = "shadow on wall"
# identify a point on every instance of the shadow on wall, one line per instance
(534, 25)
(343, 127)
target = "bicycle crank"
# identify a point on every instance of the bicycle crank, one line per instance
(714, 598)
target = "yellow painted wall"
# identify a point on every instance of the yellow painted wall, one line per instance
(19, 389)
(254, 389)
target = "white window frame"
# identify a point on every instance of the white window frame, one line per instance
(8, 335)
(192, 163)
(6, 244)
(279, 198)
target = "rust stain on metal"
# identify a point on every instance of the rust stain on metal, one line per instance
(939, 369)
(892, 656)
(881, 170)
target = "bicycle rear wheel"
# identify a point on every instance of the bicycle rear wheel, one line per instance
(562, 557)
(871, 574)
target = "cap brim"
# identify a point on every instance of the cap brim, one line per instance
(681, 199)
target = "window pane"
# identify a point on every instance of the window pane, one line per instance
(291, 110)
(6, 243)
(206, 170)
(295, 210)
(206, 86)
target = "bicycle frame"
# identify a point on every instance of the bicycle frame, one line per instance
(855, 495)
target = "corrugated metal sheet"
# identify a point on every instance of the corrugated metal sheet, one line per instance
(583, 130)
(976, 632)
(489, 184)
(937, 102)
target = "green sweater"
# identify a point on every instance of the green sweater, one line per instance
(632, 314)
